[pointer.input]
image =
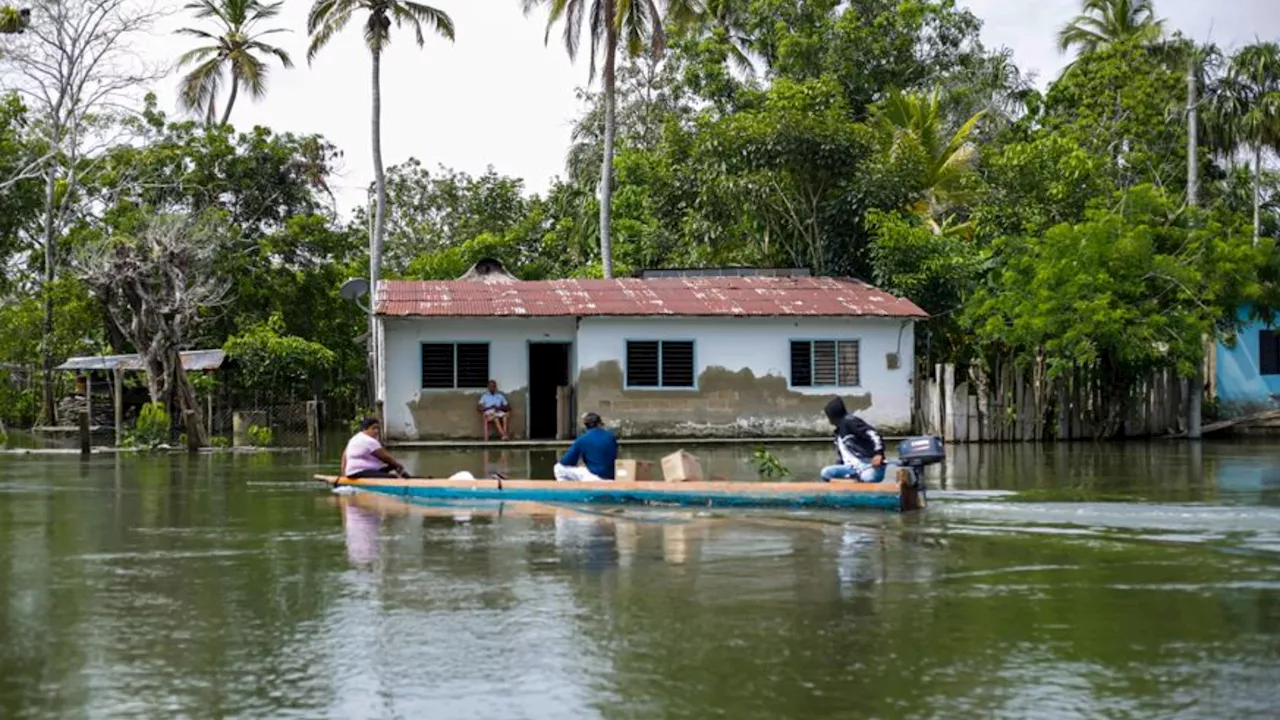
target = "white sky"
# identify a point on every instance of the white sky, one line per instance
(499, 96)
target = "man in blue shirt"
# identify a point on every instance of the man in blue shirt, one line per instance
(494, 407)
(597, 448)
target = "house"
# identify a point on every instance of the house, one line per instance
(1246, 376)
(665, 356)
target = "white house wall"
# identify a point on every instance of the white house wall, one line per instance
(743, 376)
(413, 412)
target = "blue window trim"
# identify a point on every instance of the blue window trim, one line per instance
(488, 371)
(626, 385)
(812, 384)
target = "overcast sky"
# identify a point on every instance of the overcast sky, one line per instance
(498, 96)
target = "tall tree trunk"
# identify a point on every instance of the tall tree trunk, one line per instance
(231, 100)
(184, 396)
(379, 214)
(46, 344)
(1257, 193)
(610, 128)
(1195, 385)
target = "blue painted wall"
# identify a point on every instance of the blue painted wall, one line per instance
(1241, 388)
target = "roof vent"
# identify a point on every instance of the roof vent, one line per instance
(489, 270)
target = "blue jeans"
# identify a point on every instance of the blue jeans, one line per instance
(859, 470)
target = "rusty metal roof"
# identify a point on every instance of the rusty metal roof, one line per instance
(700, 296)
(191, 360)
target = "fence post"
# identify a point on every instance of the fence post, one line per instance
(948, 379)
(239, 430)
(188, 421)
(313, 426)
(85, 441)
(118, 382)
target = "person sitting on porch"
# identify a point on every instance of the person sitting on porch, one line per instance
(597, 448)
(495, 408)
(858, 447)
(364, 456)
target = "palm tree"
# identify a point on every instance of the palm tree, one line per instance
(915, 124)
(1245, 112)
(13, 20)
(325, 19)
(638, 23)
(1103, 23)
(232, 47)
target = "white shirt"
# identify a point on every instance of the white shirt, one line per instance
(360, 457)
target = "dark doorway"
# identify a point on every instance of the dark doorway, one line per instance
(548, 370)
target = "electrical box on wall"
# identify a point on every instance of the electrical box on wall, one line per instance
(892, 361)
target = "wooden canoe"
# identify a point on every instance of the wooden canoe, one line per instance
(899, 494)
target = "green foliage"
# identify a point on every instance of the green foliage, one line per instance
(77, 324)
(1132, 288)
(219, 441)
(19, 406)
(275, 365)
(152, 429)
(767, 465)
(259, 436)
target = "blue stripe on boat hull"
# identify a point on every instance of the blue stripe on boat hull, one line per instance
(607, 495)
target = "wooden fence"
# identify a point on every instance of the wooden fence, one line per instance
(1017, 405)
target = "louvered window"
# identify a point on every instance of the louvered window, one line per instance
(660, 364)
(824, 363)
(455, 365)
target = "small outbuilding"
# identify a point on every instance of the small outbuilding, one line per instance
(674, 355)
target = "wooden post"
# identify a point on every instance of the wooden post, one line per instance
(313, 426)
(936, 416)
(85, 441)
(118, 381)
(88, 395)
(948, 378)
(189, 421)
(380, 413)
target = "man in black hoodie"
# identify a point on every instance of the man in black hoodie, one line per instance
(858, 447)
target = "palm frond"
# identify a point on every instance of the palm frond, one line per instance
(250, 72)
(280, 53)
(200, 86)
(196, 32)
(425, 15)
(198, 54)
(327, 18)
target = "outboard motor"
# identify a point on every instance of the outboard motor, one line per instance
(917, 453)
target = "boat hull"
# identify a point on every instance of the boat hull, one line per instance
(899, 494)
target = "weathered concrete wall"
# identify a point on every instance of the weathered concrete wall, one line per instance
(743, 368)
(1241, 387)
(415, 413)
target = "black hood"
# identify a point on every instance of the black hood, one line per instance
(836, 411)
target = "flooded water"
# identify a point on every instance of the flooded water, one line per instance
(1114, 581)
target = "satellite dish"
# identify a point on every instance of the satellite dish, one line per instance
(354, 289)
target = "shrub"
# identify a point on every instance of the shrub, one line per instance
(767, 464)
(260, 436)
(152, 428)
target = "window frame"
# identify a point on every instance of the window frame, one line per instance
(626, 375)
(810, 341)
(488, 350)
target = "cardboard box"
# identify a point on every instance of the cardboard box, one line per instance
(633, 470)
(681, 466)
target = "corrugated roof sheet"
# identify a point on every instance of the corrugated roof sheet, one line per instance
(191, 360)
(703, 296)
